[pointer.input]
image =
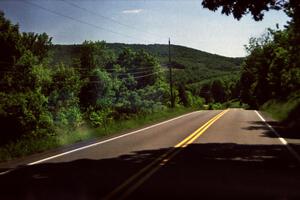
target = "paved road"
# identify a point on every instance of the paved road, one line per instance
(207, 154)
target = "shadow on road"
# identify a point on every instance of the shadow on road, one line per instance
(282, 129)
(215, 170)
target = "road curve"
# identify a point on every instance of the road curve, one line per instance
(207, 154)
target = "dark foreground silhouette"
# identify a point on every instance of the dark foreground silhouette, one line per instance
(200, 171)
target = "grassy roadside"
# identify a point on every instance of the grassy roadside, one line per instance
(286, 113)
(28, 146)
(282, 110)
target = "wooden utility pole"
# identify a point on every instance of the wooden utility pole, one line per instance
(171, 78)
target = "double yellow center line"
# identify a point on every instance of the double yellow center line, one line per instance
(131, 184)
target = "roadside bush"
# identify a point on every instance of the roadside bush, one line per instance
(100, 118)
(197, 102)
(70, 117)
(216, 106)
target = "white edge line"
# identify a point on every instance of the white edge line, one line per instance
(105, 141)
(108, 140)
(5, 172)
(282, 140)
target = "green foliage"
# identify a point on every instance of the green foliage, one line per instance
(184, 98)
(270, 71)
(38, 44)
(94, 55)
(63, 97)
(70, 116)
(190, 65)
(24, 113)
(100, 118)
(11, 48)
(218, 91)
(235, 103)
(196, 102)
(36, 97)
(215, 106)
(282, 110)
(191, 68)
(239, 8)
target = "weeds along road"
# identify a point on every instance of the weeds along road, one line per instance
(205, 154)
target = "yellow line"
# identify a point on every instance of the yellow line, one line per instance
(173, 154)
(204, 129)
(160, 161)
(194, 133)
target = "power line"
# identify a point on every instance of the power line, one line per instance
(110, 19)
(139, 72)
(135, 77)
(142, 72)
(132, 71)
(123, 73)
(114, 69)
(77, 20)
(138, 68)
(142, 76)
(80, 68)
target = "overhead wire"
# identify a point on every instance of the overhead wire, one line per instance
(80, 68)
(91, 24)
(75, 19)
(135, 77)
(144, 73)
(108, 18)
(130, 71)
(95, 26)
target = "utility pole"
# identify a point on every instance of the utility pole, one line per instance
(171, 78)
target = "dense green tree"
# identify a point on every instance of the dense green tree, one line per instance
(183, 97)
(145, 69)
(34, 96)
(269, 70)
(97, 90)
(95, 55)
(218, 91)
(141, 65)
(63, 100)
(11, 47)
(38, 44)
(206, 92)
(125, 58)
(23, 104)
(238, 8)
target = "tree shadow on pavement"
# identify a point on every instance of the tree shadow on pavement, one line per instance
(281, 128)
(208, 171)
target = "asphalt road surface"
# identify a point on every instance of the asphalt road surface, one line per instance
(230, 154)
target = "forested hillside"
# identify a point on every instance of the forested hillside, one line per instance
(193, 65)
(194, 71)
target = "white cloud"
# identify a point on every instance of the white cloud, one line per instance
(132, 11)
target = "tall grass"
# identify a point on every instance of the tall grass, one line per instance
(282, 110)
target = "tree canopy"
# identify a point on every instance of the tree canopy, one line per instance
(239, 8)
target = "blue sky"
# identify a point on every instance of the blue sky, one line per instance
(140, 21)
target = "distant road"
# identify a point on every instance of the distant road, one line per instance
(229, 154)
